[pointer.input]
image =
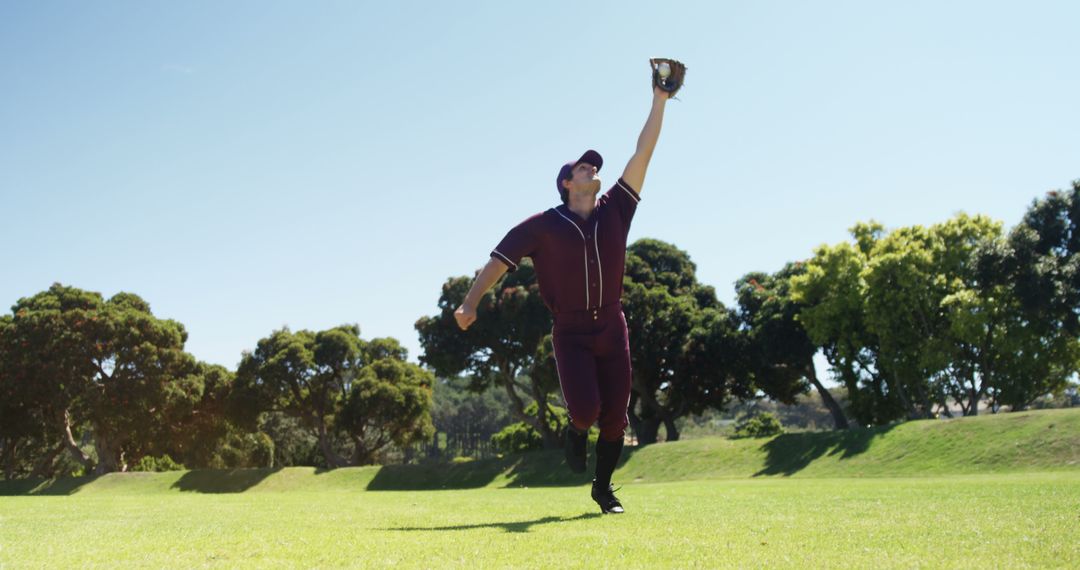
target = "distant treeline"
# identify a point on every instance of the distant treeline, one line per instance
(92, 385)
(915, 322)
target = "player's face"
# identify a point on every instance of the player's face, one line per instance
(585, 178)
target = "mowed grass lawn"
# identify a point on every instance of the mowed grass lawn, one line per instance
(1009, 520)
(1000, 491)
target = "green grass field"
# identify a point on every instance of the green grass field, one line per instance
(1000, 491)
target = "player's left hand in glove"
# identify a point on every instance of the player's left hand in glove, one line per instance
(668, 74)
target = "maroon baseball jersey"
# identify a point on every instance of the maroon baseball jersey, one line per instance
(579, 263)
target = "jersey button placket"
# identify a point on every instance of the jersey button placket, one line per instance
(592, 277)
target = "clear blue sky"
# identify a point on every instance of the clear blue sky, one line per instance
(247, 165)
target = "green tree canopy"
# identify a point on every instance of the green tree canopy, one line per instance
(503, 348)
(832, 295)
(781, 354)
(1034, 276)
(684, 345)
(388, 403)
(924, 318)
(340, 388)
(106, 370)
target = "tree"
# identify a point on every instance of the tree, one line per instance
(304, 374)
(503, 348)
(685, 351)
(202, 434)
(467, 418)
(832, 295)
(1035, 275)
(458, 410)
(950, 321)
(29, 444)
(659, 326)
(921, 318)
(25, 433)
(903, 309)
(109, 368)
(782, 354)
(388, 403)
(339, 387)
(964, 358)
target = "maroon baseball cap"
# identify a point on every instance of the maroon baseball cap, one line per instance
(566, 172)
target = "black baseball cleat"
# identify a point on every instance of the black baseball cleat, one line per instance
(574, 449)
(609, 504)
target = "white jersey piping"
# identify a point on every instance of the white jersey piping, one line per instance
(599, 264)
(628, 191)
(506, 259)
(585, 245)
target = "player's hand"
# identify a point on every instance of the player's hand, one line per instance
(465, 316)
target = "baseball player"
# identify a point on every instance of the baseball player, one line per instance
(578, 250)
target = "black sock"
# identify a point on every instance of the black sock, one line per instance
(607, 457)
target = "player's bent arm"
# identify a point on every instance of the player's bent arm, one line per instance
(492, 272)
(634, 174)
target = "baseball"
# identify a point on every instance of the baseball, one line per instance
(664, 69)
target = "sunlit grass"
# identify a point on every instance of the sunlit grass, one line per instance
(1001, 491)
(1015, 520)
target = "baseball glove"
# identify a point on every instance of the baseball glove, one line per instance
(668, 74)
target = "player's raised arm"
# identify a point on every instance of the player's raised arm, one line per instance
(466, 313)
(665, 72)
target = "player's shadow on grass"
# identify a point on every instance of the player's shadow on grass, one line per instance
(789, 453)
(531, 469)
(520, 526)
(222, 480)
(435, 476)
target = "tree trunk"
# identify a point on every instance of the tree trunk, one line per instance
(433, 451)
(861, 402)
(632, 417)
(979, 395)
(516, 405)
(45, 467)
(670, 431)
(647, 430)
(69, 443)
(927, 407)
(901, 392)
(109, 457)
(839, 419)
(361, 455)
(551, 439)
(549, 436)
(973, 405)
(8, 449)
(333, 460)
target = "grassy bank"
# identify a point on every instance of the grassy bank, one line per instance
(999, 491)
(1047, 440)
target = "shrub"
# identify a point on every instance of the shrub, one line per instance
(245, 450)
(760, 425)
(516, 438)
(157, 464)
(520, 436)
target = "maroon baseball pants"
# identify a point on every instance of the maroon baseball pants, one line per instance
(592, 354)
